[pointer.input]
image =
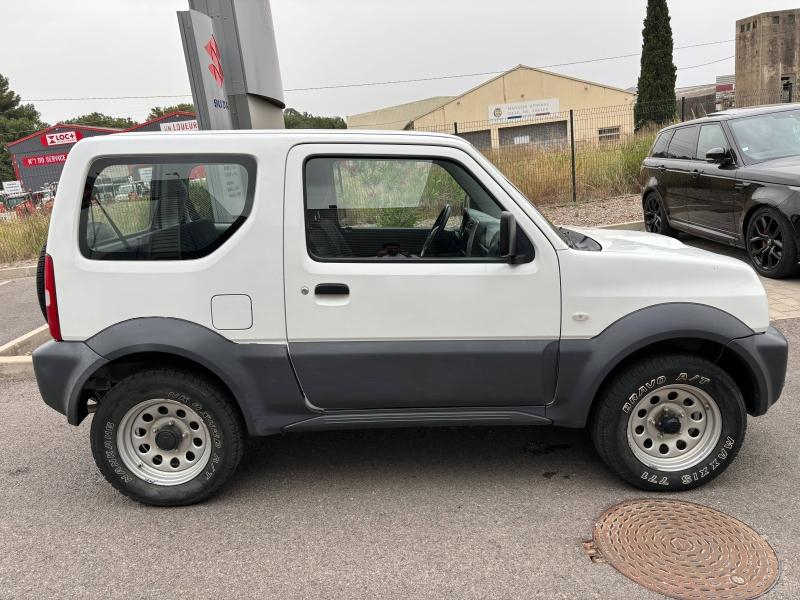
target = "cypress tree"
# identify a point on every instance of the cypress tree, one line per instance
(656, 95)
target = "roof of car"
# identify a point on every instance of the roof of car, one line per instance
(736, 113)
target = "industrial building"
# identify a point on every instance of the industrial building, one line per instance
(38, 158)
(524, 105)
(767, 58)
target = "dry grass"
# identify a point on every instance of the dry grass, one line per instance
(22, 238)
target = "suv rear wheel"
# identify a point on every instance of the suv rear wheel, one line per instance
(670, 422)
(771, 245)
(166, 438)
(655, 216)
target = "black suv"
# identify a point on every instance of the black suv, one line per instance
(732, 177)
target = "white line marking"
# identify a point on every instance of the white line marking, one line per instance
(2, 283)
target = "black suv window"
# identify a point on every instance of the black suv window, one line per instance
(164, 207)
(711, 136)
(660, 146)
(683, 143)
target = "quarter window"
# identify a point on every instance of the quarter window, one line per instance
(711, 136)
(164, 208)
(683, 143)
(660, 146)
(376, 208)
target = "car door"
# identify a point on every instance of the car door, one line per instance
(397, 330)
(677, 172)
(713, 193)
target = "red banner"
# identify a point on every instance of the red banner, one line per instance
(42, 160)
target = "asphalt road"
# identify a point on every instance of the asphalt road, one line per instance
(437, 513)
(19, 308)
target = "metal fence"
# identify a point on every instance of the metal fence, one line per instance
(588, 154)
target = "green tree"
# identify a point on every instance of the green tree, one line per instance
(97, 119)
(16, 120)
(294, 119)
(656, 94)
(160, 111)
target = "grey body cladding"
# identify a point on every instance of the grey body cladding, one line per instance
(424, 383)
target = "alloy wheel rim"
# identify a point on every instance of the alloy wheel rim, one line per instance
(674, 427)
(652, 215)
(163, 442)
(765, 242)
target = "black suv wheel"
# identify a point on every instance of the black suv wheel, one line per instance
(655, 216)
(771, 245)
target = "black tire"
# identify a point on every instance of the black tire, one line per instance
(219, 419)
(40, 282)
(632, 391)
(771, 244)
(655, 216)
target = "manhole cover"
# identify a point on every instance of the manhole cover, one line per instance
(685, 550)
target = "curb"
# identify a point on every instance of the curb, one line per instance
(629, 225)
(25, 344)
(17, 272)
(15, 367)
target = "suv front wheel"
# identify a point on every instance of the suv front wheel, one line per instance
(166, 438)
(669, 422)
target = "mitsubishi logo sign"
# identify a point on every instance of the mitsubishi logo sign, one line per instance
(216, 64)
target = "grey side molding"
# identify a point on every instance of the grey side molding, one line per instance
(260, 376)
(584, 364)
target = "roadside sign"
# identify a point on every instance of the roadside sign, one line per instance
(58, 139)
(188, 125)
(12, 187)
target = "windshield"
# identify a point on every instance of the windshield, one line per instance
(770, 136)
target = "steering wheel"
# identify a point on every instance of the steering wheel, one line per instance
(437, 229)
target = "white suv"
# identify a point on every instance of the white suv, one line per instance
(268, 282)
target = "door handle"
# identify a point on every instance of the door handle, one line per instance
(331, 289)
(662, 168)
(740, 185)
(695, 173)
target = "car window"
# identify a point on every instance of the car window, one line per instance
(659, 149)
(163, 208)
(367, 208)
(711, 136)
(768, 136)
(683, 143)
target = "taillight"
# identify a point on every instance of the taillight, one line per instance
(50, 301)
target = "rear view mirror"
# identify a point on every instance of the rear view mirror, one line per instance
(508, 236)
(719, 156)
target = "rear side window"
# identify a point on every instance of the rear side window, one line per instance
(683, 143)
(175, 207)
(660, 146)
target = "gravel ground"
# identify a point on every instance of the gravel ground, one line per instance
(439, 513)
(621, 209)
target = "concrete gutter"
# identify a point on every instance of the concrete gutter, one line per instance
(15, 356)
(25, 344)
(16, 367)
(17, 272)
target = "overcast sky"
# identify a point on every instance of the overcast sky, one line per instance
(64, 49)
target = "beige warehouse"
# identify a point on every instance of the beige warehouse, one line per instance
(521, 106)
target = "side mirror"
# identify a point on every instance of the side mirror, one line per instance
(718, 156)
(508, 236)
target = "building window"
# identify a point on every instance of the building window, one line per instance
(742, 29)
(776, 20)
(607, 134)
(791, 19)
(748, 27)
(755, 24)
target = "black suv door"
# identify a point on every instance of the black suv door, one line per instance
(713, 193)
(680, 152)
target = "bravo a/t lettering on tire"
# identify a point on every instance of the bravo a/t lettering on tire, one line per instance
(166, 437)
(669, 422)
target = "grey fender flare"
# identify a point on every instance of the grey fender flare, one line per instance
(259, 376)
(584, 364)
